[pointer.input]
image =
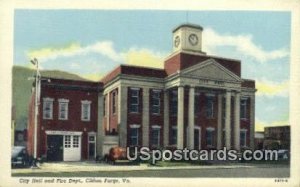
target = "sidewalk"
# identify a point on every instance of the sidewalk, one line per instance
(92, 166)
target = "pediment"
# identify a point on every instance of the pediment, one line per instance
(210, 69)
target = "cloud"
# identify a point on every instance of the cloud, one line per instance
(90, 60)
(93, 76)
(104, 48)
(260, 125)
(271, 89)
(241, 43)
(145, 57)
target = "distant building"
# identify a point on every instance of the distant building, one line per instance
(196, 101)
(259, 140)
(277, 137)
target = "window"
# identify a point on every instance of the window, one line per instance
(243, 135)
(134, 100)
(155, 103)
(173, 106)
(47, 108)
(173, 135)
(67, 141)
(210, 137)
(63, 109)
(85, 110)
(209, 106)
(75, 141)
(134, 135)
(155, 136)
(91, 138)
(244, 109)
(114, 103)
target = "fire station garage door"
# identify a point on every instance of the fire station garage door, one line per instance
(72, 148)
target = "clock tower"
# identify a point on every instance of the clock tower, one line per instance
(187, 37)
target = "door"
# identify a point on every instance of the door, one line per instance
(54, 147)
(197, 139)
(92, 146)
(72, 148)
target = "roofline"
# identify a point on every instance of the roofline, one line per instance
(85, 81)
(200, 54)
(195, 26)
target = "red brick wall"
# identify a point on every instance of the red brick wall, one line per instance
(182, 61)
(74, 122)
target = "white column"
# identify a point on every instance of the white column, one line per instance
(123, 96)
(237, 100)
(166, 118)
(100, 132)
(252, 121)
(107, 111)
(228, 120)
(145, 117)
(220, 129)
(180, 117)
(191, 118)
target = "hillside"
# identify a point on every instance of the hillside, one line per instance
(22, 90)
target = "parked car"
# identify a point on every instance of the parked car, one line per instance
(115, 153)
(19, 157)
(283, 154)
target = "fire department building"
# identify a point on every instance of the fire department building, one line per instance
(197, 101)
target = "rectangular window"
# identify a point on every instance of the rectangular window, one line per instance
(243, 135)
(210, 137)
(134, 100)
(173, 103)
(47, 108)
(155, 102)
(134, 136)
(67, 141)
(209, 107)
(155, 137)
(63, 107)
(75, 141)
(173, 135)
(243, 109)
(85, 110)
(114, 103)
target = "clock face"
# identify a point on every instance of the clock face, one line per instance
(176, 41)
(193, 39)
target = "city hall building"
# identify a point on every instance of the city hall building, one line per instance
(197, 101)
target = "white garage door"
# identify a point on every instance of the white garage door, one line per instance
(72, 148)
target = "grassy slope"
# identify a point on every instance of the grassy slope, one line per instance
(22, 90)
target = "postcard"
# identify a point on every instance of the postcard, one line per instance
(146, 93)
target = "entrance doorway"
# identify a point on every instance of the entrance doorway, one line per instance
(55, 147)
(92, 147)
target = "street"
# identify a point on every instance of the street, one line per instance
(257, 172)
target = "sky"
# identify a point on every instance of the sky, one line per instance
(91, 43)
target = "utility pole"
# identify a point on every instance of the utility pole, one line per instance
(36, 111)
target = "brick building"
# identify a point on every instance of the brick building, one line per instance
(197, 101)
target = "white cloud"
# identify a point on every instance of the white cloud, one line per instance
(134, 56)
(272, 89)
(242, 43)
(104, 48)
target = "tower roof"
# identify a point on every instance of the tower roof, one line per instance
(187, 25)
